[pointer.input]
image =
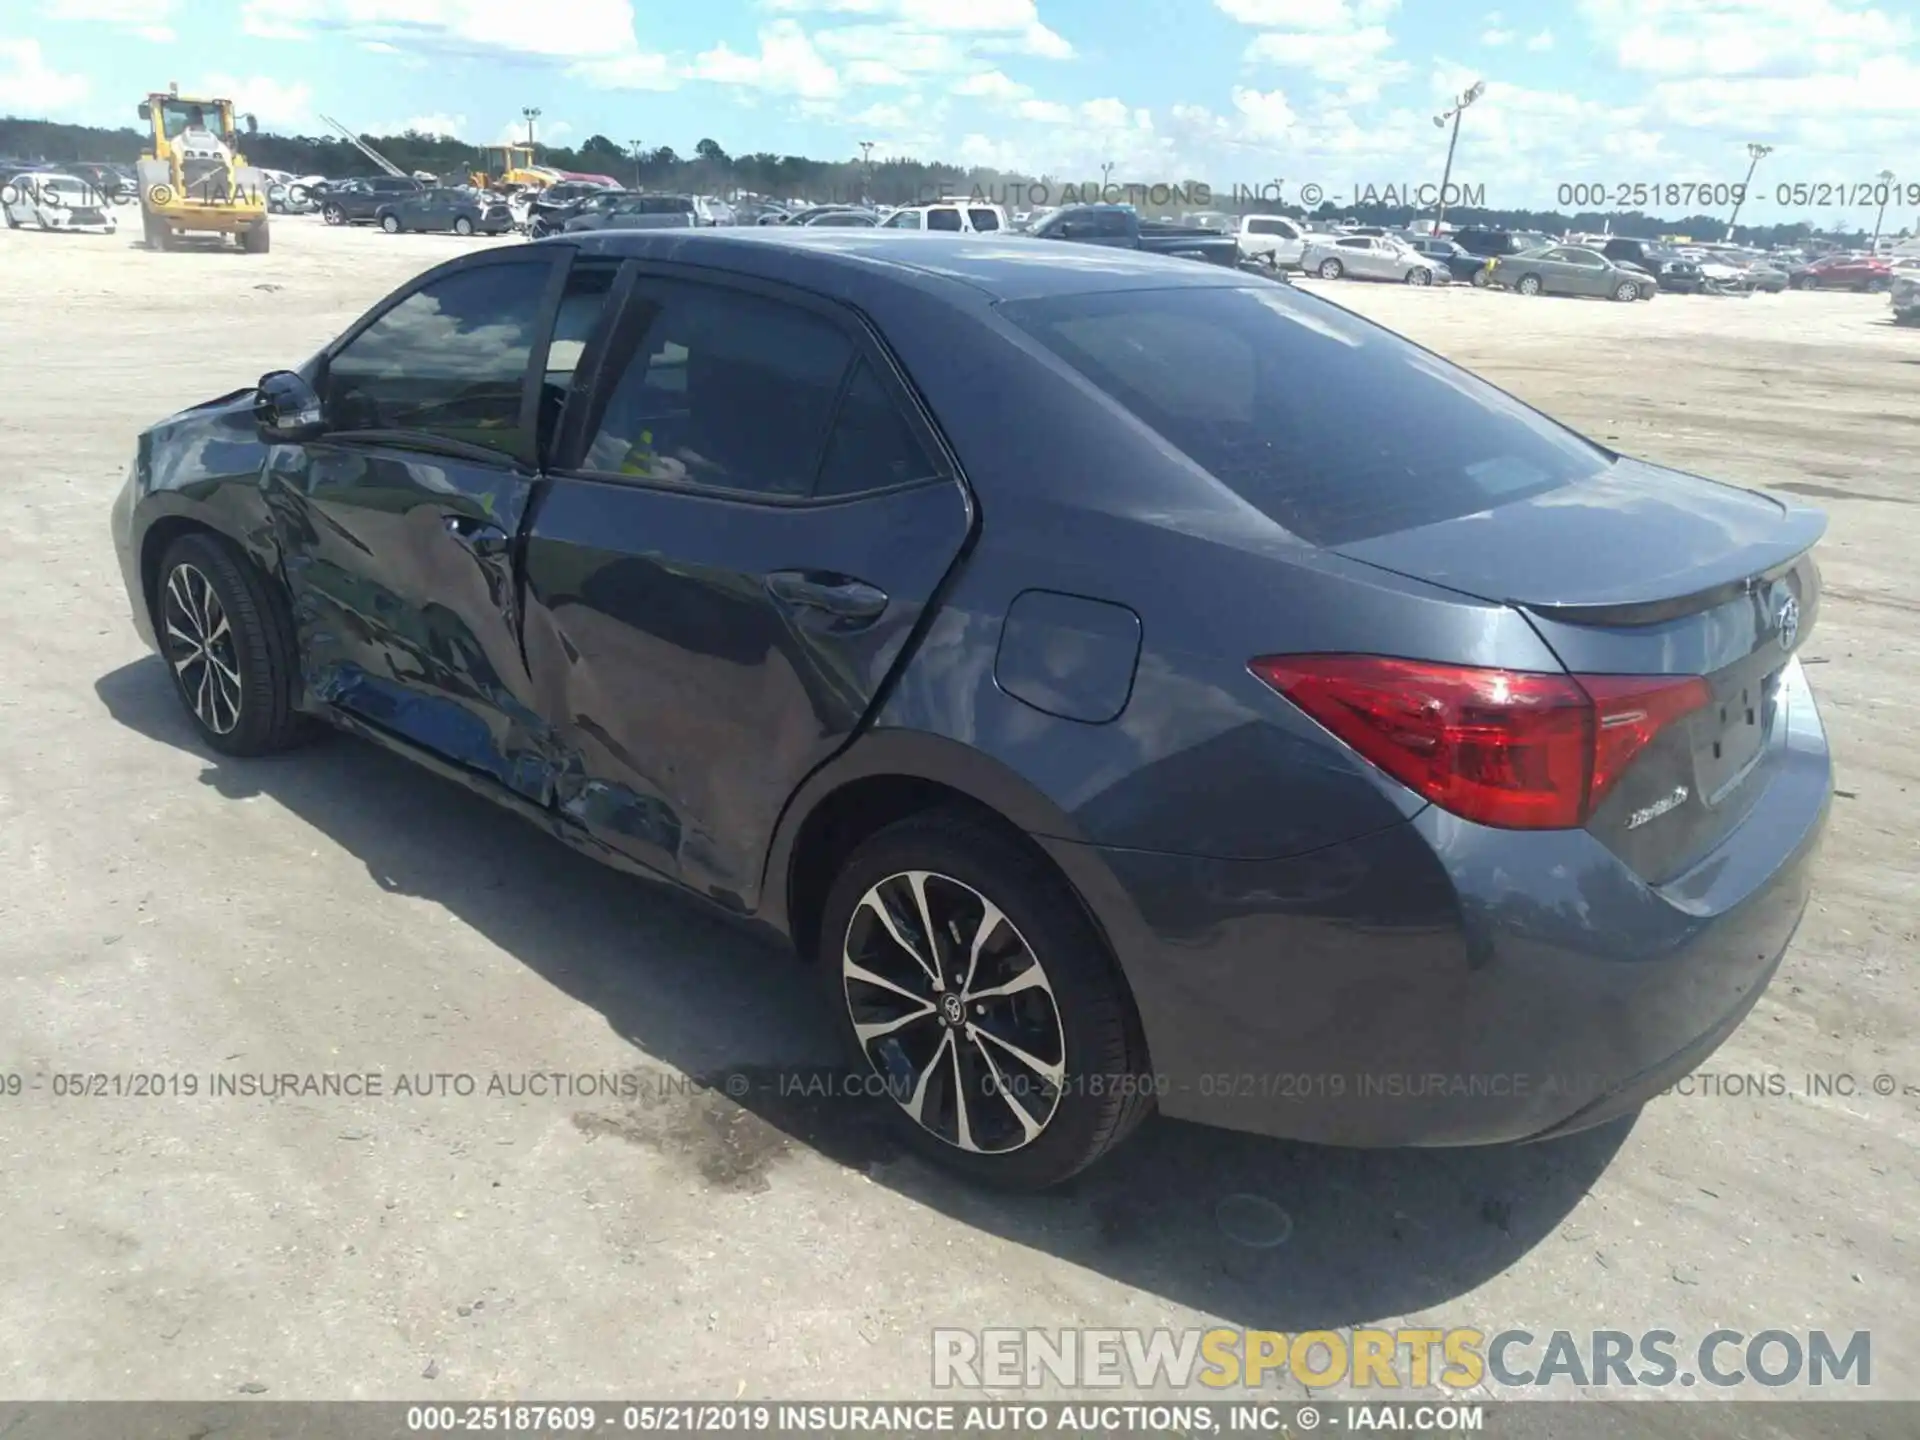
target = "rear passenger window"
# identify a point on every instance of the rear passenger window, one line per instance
(724, 390)
(943, 219)
(872, 445)
(984, 219)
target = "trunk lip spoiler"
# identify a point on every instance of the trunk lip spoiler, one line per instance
(1638, 613)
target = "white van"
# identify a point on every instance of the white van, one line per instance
(965, 217)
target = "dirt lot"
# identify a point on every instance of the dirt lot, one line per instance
(175, 915)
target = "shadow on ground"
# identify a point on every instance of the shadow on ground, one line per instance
(1374, 1234)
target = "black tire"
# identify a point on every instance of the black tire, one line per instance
(12, 224)
(1419, 276)
(1528, 285)
(159, 235)
(1105, 1088)
(390, 224)
(257, 240)
(333, 215)
(462, 225)
(1479, 280)
(1331, 270)
(260, 653)
(1626, 292)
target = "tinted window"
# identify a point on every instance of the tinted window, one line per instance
(905, 220)
(871, 446)
(1263, 227)
(450, 359)
(725, 389)
(943, 219)
(1280, 397)
(984, 219)
(1110, 222)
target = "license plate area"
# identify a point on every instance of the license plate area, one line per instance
(1730, 735)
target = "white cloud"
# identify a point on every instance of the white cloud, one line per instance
(787, 63)
(1495, 38)
(545, 131)
(1308, 14)
(29, 86)
(1744, 37)
(437, 123)
(636, 70)
(875, 72)
(1542, 41)
(563, 29)
(1351, 57)
(992, 85)
(903, 51)
(275, 103)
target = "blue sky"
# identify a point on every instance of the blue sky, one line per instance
(1335, 92)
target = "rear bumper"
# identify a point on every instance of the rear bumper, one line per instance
(1441, 983)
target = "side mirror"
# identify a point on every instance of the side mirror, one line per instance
(146, 111)
(1064, 231)
(286, 410)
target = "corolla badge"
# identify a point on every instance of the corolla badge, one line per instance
(1788, 622)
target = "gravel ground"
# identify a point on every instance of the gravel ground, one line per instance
(178, 915)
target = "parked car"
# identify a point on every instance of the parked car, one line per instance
(634, 214)
(955, 217)
(116, 183)
(1668, 266)
(55, 200)
(1843, 272)
(708, 211)
(1120, 227)
(1571, 270)
(1460, 264)
(358, 201)
(1478, 240)
(1474, 749)
(839, 219)
(1905, 297)
(1370, 257)
(446, 207)
(1274, 240)
(548, 211)
(806, 214)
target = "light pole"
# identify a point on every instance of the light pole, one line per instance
(1106, 178)
(634, 145)
(1467, 97)
(866, 169)
(1757, 151)
(1885, 177)
(530, 114)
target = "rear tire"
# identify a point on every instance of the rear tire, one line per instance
(256, 241)
(158, 234)
(390, 224)
(1479, 280)
(1331, 270)
(1529, 285)
(1626, 292)
(1417, 276)
(462, 226)
(333, 215)
(1043, 984)
(227, 637)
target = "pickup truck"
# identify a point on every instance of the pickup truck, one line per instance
(1120, 227)
(1274, 240)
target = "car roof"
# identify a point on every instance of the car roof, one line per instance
(1000, 266)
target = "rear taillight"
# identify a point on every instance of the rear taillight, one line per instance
(1507, 748)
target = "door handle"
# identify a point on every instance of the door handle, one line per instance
(482, 537)
(839, 596)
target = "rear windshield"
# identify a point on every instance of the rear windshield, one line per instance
(1333, 427)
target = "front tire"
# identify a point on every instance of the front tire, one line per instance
(333, 215)
(1529, 285)
(1022, 1063)
(1417, 276)
(257, 240)
(1479, 280)
(1626, 292)
(462, 226)
(390, 224)
(227, 638)
(1331, 270)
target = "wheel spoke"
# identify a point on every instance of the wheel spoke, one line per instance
(220, 627)
(203, 697)
(1029, 1127)
(1031, 978)
(872, 900)
(916, 1102)
(856, 971)
(1045, 1069)
(990, 918)
(962, 1123)
(917, 880)
(178, 634)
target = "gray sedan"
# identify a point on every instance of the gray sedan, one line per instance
(1369, 257)
(1570, 270)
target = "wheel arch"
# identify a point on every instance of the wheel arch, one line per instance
(886, 776)
(182, 519)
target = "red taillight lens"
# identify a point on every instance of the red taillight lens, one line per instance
(1501, 747)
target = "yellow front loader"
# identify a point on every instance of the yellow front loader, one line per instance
(193, 178)
(510, 167)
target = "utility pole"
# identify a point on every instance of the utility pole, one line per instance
(1467, 97)
(1106, 180)
(1885, 177)
(634, 145)
(530, 114)
(1758, 152)
(866, 166)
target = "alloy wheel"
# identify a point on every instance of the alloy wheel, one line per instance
(1417, 276)
(1330, 270)
(954, 1012)
(200, 647)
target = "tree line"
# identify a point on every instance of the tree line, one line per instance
(710, 170)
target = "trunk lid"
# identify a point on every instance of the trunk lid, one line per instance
(1646, 571)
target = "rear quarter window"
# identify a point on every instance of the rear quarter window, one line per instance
(1283, 398)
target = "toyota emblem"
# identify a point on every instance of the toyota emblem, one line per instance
(1788, 623)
